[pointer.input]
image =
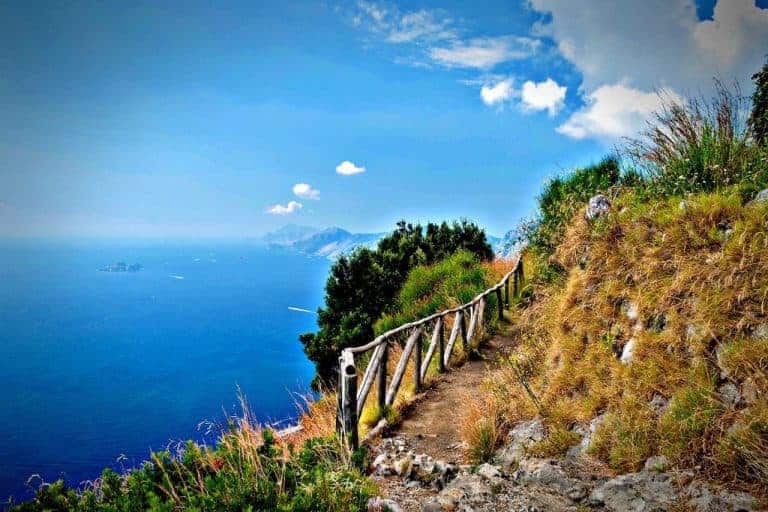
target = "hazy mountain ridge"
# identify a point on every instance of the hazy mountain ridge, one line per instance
(334, 241)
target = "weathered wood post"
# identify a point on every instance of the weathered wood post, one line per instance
(500, 304)
(417, 366)
(348, 393)
(382, 388)
(506, 292)
(440, 346)
(463, 325)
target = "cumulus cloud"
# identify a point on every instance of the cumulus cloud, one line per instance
(483, 52)
(305, 191)
(614, 111)
(279, 209)
(347, 168)
(496, 94)
(547, 95)
(655, 44)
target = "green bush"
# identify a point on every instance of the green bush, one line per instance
(432, 288)
(562, 197)
(363, 285)
(699, 145)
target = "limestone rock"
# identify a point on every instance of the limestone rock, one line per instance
(702, 498)
(657, 463)
(522, 436)
(378, 504)
(628, 352)
(635, 492)
(762, 196)
(730, 395)
(598, 206)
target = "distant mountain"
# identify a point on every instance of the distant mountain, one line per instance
(327, 243)
(288, 234)
(507, 247)
(333, 242)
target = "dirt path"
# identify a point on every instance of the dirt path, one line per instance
(433, 425)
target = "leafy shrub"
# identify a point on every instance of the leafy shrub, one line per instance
(562, 197)
(758, 119)
(361, 286)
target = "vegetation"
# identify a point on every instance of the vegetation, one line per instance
(653, 318)
(758, 119)
(248, 469)
(362, 286)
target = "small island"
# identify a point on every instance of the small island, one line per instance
(121, 266)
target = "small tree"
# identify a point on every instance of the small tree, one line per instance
(758, 119)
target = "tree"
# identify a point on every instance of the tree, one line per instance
(758, 119)
(363, 285)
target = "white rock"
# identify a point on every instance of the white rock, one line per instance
(628, 352)
(378, 504)
(488, 471)
(598, 206)
(762, 196)
(656, 463)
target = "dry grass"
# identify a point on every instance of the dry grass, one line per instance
(482, 425)
(689, 286)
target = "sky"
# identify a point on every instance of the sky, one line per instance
(230, 119)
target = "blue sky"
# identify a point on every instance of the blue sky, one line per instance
(228, 119)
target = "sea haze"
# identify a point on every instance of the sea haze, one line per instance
(95, 365)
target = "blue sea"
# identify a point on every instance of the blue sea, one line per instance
(96, 366)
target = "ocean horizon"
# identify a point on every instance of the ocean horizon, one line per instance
(100, 367)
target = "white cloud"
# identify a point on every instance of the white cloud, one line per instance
(483, 52)
(499, 93)
(347, 168)
(614, 111)
(546, 95)
(305, 191)
(289, 208)
(397, 27)
(655, 44)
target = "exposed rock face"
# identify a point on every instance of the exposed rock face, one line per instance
(522, 436)
(635, 492)
(598, 206)
(656, 463)
(762, 196)
(729, 394)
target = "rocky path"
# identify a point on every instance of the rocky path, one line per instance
(422, 465)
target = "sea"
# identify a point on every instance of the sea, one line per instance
(98, 368)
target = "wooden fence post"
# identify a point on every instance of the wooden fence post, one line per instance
(441, 347)
(506, 292)
(382, 390)
(417, 367)
(500, 304)
(464, 340)
(348, 393)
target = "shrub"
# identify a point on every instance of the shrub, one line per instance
(246, 470)
(562, 197)
(758, 119)
(361, 286)
(698, 145)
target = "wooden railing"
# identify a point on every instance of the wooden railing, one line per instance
(351, 399)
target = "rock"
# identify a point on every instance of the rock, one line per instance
(659, 404)
(577, 492)
(546, 473)
(702, 498)
(628, 352)
(598, 206)
(583, 446)
(730, 394)
(469, 488)
(403, 466)
(760, 332)
(630, 309)
(762, 196)
(724, 372)
(657, 463)
(683, 205)
(635, 492)
(522, 436)
(749, 391)
(694, 333)
(378, 504)
(488, 471)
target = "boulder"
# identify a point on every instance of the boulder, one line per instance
(702, 498)
(762, 196)
(636, 492)
(522, 436)
(729, 394)
(598, 206)
(657, 463)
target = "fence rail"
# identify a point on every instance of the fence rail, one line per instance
(352, 398)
